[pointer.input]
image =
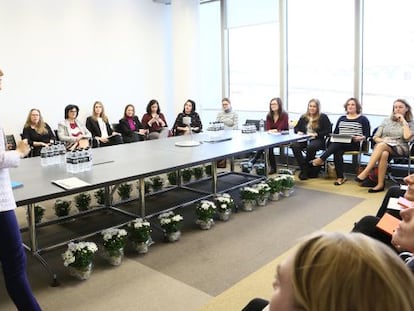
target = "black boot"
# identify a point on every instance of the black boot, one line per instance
(303, 175)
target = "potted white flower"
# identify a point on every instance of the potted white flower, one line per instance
(205, 211)
(288, 184)
(171, 224)
(263, 193)
(139, 233)
(248, 196)
(225, 204)
(114, 242)
(78, 259)
(275, 184)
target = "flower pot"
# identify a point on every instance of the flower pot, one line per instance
(141, 247)
(205, 224)
(261, 201)
(225, 215)
(248, 205)
(287, 192)
(274, 196)
(114, 257)
(80, 273)
(172, 236)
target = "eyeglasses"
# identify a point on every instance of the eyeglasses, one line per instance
(73, 111)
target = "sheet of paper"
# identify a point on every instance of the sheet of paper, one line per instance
(70, 183)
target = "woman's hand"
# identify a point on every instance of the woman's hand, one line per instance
(358, 138)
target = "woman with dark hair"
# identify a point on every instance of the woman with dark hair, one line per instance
(352, 123)
(130, 127)
(98, 124)
(154, 121)
(277, 120)
(71, 131)
(180, 128)
(37, 132)
(318, 126)
(391, 139)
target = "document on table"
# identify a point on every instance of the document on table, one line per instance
(70, 183)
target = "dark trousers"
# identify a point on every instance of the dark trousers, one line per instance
(272, 160)
(310, 150)
(13, 263)
(338, 149)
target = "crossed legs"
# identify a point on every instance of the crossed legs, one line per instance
(380, 154)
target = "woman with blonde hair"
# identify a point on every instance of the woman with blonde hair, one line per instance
(318, 126)
(100, 128)
(341, 272)
(37, 132)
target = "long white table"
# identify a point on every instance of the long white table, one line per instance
(127, 162)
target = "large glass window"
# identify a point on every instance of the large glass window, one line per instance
(320, 53)
(253, 34)
(388, 62)
(210, 56)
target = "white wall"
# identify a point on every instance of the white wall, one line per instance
(55, 53)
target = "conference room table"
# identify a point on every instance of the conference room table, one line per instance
(130, 162)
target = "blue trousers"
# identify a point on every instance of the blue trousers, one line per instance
(13, 263)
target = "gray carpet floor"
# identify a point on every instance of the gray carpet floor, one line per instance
(207, 261)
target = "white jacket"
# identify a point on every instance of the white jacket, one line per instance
(7, 159)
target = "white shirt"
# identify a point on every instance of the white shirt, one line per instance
(7, 159)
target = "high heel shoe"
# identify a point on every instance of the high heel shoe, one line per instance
(357, 179)
(318, 160)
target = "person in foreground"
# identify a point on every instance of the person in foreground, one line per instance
(391, 139)
(12, 254)
(341, 272)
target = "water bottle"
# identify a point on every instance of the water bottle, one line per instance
(75, 161)
(49, 155)
(83, 160)
(62, 153)
(43, 157)
(261, 125)
(56, 156)
(89, 159)
(69, 162)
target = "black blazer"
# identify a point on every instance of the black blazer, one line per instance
(324, 129)
(124, 128)
(93, 126)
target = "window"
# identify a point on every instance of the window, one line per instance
(320, 53)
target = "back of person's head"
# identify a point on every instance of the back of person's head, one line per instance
(350, 271)
(70, 107)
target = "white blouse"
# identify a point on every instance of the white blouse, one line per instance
(7, 159)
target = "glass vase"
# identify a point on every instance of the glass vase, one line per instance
(141, 247)
(205, 224)
(248, 205)
(114, 257)
(80, 273)
(172, 236)
(224, 215)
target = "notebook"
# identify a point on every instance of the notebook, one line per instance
(70, 183)
(388, 223)
(341, 138)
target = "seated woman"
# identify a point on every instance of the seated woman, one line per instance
(277, 120)
(316, 124)
(37, 132)
(391, 139)
(180, 128)
(98, 125)
(354, 124)
(130, 127)
(340, 271)
(71, 131)
(227, 115)
(154, 121)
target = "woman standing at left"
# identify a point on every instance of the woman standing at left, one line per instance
(71, 131)
(37, 132)
(12, 253)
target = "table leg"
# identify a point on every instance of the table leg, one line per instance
(214, 177)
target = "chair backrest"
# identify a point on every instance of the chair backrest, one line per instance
(115, 127)
(255, 122)
(11, 142)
